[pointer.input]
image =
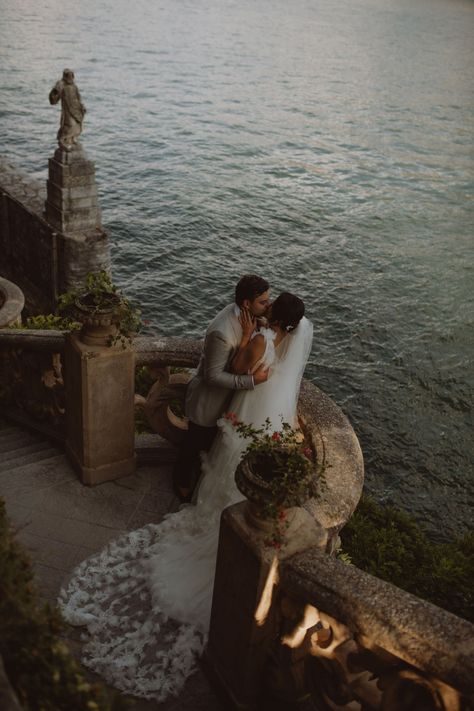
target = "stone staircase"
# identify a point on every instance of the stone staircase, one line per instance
(19, 448)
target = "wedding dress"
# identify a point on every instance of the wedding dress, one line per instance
(146, 598)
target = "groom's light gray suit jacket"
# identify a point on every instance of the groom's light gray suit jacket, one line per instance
(211, 389)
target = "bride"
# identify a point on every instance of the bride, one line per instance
(146, 598)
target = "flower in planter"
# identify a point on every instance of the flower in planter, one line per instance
(285, 463)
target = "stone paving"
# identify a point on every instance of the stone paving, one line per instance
(61, 522)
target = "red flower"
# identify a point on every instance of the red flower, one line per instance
(307, 452)
(282, 515)
(276, 436)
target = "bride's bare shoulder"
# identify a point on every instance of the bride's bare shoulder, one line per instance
(258, 341)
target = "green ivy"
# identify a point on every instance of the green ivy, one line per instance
(142, 426)
(38, 664)
(49, 322)
(390, 544)
(144, 379)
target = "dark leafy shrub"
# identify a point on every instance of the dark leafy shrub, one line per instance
(390, 544)
(38, 664)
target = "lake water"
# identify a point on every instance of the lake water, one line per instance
(325, 145)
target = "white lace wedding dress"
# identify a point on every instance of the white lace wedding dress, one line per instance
(146, 598)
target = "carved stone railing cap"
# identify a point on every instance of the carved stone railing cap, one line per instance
(415, 630)
(12, 302)
(339, 451)
(167, 351)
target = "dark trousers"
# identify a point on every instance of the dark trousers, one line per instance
(187, 468)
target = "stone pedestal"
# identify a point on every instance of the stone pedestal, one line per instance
(100, 410)
(72, 207)
(72, 202)
(244, 618)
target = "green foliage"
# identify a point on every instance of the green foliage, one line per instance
(49, 322)
(100, 294)
(144, 379)
(39, 666)
(390, 544)
(142, 426)
(285, 463)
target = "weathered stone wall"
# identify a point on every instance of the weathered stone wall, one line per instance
(34, 254)
(28, 245)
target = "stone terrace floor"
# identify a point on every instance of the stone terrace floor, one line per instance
(61, 522)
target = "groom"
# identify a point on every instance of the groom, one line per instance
(211, 389)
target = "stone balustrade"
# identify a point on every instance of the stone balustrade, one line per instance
(388, 649)
(332, 436)
(298, 629)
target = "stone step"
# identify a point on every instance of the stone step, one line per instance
(8, 430)
(17, 440)
(13, 452)
(56, 460)
(37, 456)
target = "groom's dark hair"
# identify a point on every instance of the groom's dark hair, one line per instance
(249, 287)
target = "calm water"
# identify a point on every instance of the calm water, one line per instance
(326, 145)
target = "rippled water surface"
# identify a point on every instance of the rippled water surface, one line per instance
(326, 145)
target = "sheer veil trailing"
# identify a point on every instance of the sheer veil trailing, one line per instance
(290, 365)
(146, 598)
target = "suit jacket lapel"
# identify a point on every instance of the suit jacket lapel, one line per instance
(236, 328)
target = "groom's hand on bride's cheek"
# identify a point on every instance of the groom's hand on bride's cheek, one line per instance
(260, 375)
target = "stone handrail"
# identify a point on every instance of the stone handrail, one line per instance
(297, 628)
(42, 341)
(379, 614)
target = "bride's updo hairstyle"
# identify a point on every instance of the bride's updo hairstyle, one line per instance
(287, 311)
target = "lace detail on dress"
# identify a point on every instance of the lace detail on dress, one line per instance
(133, 644)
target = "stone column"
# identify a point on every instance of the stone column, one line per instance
(99, 410)
(72, 207)
(244, 620)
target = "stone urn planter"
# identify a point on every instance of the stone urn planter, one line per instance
(99, 321)
(261, 478)
(107, 316)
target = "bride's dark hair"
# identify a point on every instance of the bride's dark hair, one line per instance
(287, 311)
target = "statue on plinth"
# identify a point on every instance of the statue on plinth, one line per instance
(72, 110)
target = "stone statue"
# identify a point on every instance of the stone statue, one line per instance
(72, 109)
